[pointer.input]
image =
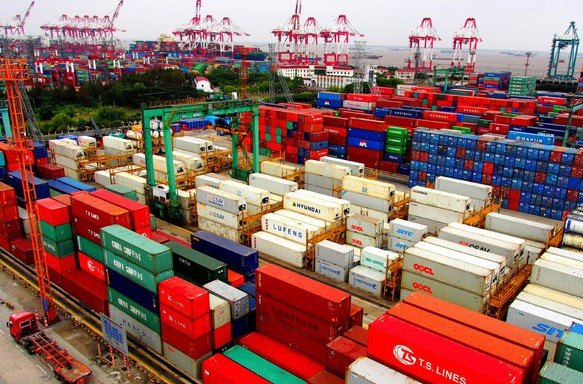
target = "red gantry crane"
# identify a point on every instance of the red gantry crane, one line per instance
(467, 37)
(338, 35)
(421, 42)
(16, 26)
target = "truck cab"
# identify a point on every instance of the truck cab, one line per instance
(22, 324)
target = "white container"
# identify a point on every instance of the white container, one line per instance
(382, 216)
(102, 177)
(570, 262)
(434, 213)
(191, 162)
(159, 163)
(87, 142)
(220, 311)
(68, 150)
(464, 188)
(135, 183)
(360, 105)
(327, 170)
(433, 227)
(192, 144)
(72, 173)
(54, 142)
(518, 227)
(552, 305)
(399, 245)
(575, 241)
(440, 199)
(117, 143)
(556, 296)
(67, 162)
(238, 300)
(407, 230)
(381, 205)
(548, 323)
(184, 362)
(312, 207)
(414, 282)
(320, 224)
(134, 328)
(369, 187)
(206, 181)
(559, 277)
(220, 229)
(322, 181)
(496, 235)
(364, 225)
(533, 250)
(499, 260)
(330, 252)
(572, 224)
(288, 228)
(344, 204)
(377, 259)
(356, 169)
(367, 279)
(331, 271)
(362, 241)
(222, 200)
(565, 253)
(252, 195)
(273, 184)
(368, 371)
(277, 169)
(279, 248)
(211, 213)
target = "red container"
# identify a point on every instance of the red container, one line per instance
(90, 291)
(53, 212)
(341, 353)
(22, 250)
(440, 116)
(64, 199)
(4, 242)
(235, 279)
(221, 336)
(92, 267)
(399, 121)
(363, 97)
(432, 358)
(433, 124)
(334, 121)
(356, 315)
(194, 348)
(370, 163)
(325, 377)
(318, 299)
(139, 213)
(60, 264)
(193, 328)
(10, 153)
(337, 140)
(296, 319)
(183, 296)
(365, 153)
(292, 338)
(50, 171)
(86, 230)
(500, 129)
(389, 166)
(367, 124)
(281, 355)
(9, 213)
(219, 369)
(168, 237)
(98, 212)
(471, 110)
(336, 131)
(11, 229)
(357, 334)
(7, 195)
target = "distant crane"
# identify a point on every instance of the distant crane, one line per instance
(569, 39)
(468, 36)
(16, 26)
(338, 35)
(421, 42)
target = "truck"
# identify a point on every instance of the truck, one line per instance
(24, 330)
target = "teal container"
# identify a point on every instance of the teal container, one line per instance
(133, 272)
(143, 252)
(134, 310)
(570, 351)
(59, 249)
(57, 233)
(89, 248)
(553, 373)
(260, 366)
(122, 191)
(2, 160)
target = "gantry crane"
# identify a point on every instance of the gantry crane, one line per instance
(13, 72)
(468, 36)
(16, 27)
(569, 39)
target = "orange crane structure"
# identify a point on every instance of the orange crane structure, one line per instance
(12, 72)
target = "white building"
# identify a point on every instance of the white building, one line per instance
(405, 74)
(323, 77)
(203, 84)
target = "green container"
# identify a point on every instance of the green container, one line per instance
(484, 123)
(397, 132)
(553, 373)
(396, 141)
(395, 150)
(61, 248)
(153, 223)
(196, 267)
(268, 137)
(260, 366)
(265, 152)
(88, 247)
(278, 139)
(461, 129)
(570, 351)
(145, 253)
(278, 131)
(54, 193)
(133, 309)
(122, 191)
(134, 273)
(57, 233)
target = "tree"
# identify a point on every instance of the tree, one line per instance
(384, 81)
(349, 88)
(334, 89)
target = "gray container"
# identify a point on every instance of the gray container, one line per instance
(356, 169)
(367, 279)
(327, 170)
(377, 259)
(548, 323)
(252, 195)
(184, 362)
(220, 311)
(277, 247)
(556, 296)
(341, 255)
(374, 203)
(221, 200)
(134, 328)
(565, 253)
(519, 242)
(465, 188)
(218, 228)
(288, 228)
(322, 191)
(211, 213)
(383, 216)
(373, 188)
(407, 230)
(515, 226)
(414, 282)
(331, 271)
(238, 300)
(552, 305)
(399, 245)
(557, 276)
(365, 225)
(361, 241)
(368, 371)
(435, 213)
(322, 181)
(440, 199)
(433, 226)
(273, 184)
(206, 181)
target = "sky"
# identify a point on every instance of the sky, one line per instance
(518, 25)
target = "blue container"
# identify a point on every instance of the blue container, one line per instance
(318, 145)
(366, 143)
(241, 326)
(40, 151)
(412, 114)
(330, 96)
(238, 257)
(395, 158)
(41, 186)
(248, 288)
(337, 149)
(365, 134)
(2, 173)
(76, 184)
(132, 290)
(61, 187)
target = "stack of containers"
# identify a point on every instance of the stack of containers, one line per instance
(329, 100)
(41, 155)
(12, 158)
(220, 212)
(117, 146)
(522, 85)
(334, 260)
(495, 81)
(67, 154)
(337, 129)
(221, 333)
(369, 197)
(134, 183)
(11, 227)
(402, 234)
(275, 185)
(276, 169)
(134, 267)
(41, 187)
(160, 170)
(436, 209)
(324, 178)
(59, 245)
(366, 141)
(573, 234)
(139, 213)
(373, 271)
(239, 305)
(122, 191)
(397, 144)
(360, 101)
(570, 348)
(256, 199)
(472, 347)
(192, 145)
(300, 312)
(185, 317)
(364, 231)
(356, 168)
(480, 194)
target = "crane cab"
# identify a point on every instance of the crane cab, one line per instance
(22, 324)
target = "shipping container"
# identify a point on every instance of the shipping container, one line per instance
(518, 227)
(377, 259)
(322, 225)
(399, 245)
(206, 181)
(194, 348)
(361, 241)
(190, 327)
(362, 200)
(331, 271)
(556, 296)
(140, 213)
(552, 305)
(117, 143)
(519, 243)
(277, 169)
(192, 144)
(57, 233)
(364, 225)
(238, 257)
(222, 200)
(325, 377)
(383, 216)
(553, 373)
(369, 187)
(133, 309)
(368, 371)
(99, 212)
(433, 227)
(195, 266)
(136, 329)
(60, 249)
(344, 204)
(356, 169)
(273, 184)
(312, 207)
(341, 353)
(439, 199)
(367, 279)
(334, 253)
(232, 234)
(561, 277)
(91, 266)
(219, 369)
(133, 291)
(321, 184)
(91, 249)
(220, 311)
(49, 210)
(191, 161)
(565, 253)
(437, 214)
(238, 300)
(184, 297)
(327, 170)
(569, 351)
(407, 230)
(548, 323)
(252, 195)
(287, 228)
(465, 188)
(185, 363)
(285, 250)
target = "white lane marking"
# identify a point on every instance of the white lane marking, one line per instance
(1, 332)
(42, 370)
